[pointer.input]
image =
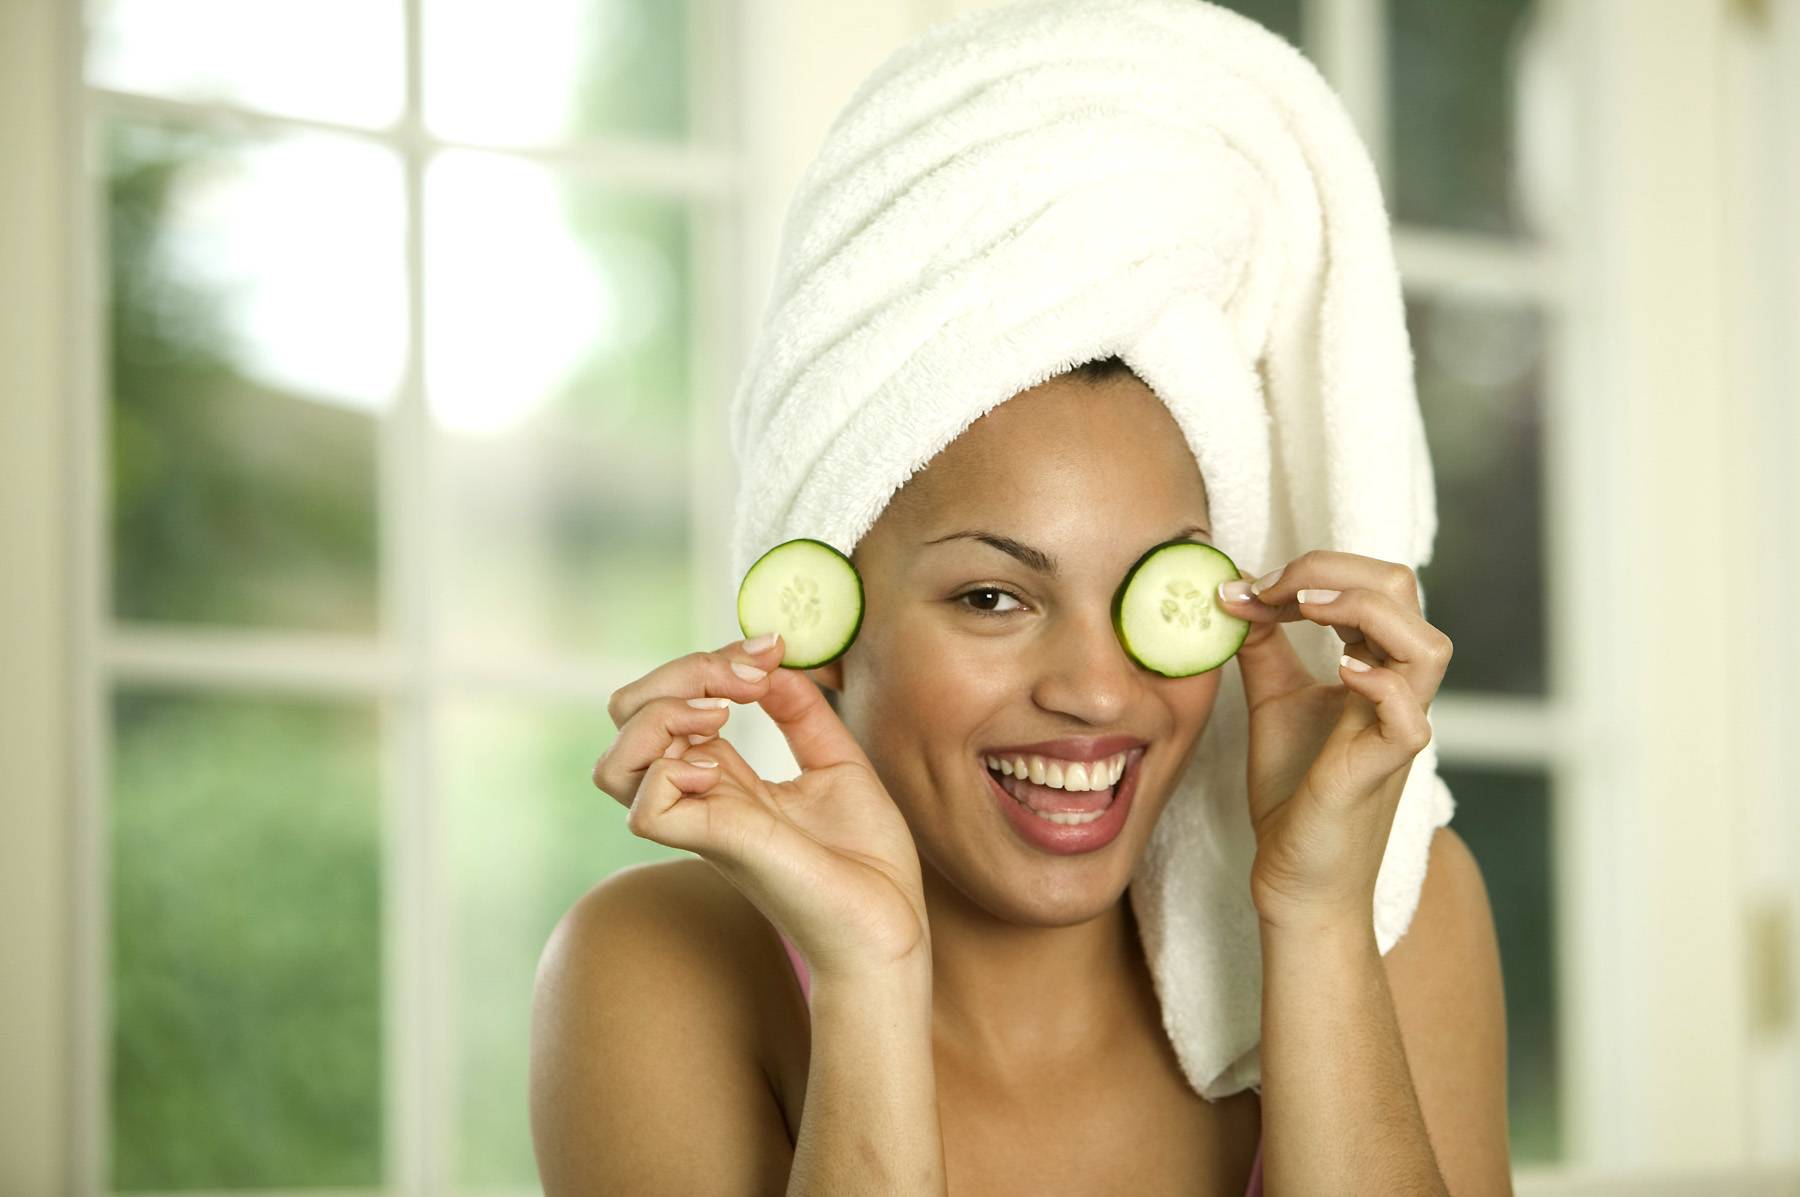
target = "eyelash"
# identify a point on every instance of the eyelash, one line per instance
(997, 590)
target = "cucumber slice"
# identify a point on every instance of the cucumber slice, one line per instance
(1167, 611)
(810, 593)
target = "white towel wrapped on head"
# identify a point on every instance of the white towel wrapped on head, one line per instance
(1034, 186)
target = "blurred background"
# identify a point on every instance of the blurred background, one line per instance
(364, 365)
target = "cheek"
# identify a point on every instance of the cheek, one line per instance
(921, 657)
(1191, 699)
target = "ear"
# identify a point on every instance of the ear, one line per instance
(830, 675)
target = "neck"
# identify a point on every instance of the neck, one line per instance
(1009, 997)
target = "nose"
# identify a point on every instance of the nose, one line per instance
(1084, 672)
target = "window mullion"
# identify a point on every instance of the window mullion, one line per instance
(413, 1144)
(90, 582)
(1347, 38)
(1436, 261)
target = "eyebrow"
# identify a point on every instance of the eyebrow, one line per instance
(1034, 558)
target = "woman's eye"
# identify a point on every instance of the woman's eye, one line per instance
(982, 593)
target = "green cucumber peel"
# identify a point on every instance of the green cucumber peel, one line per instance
(1167, 611)
(808, 592)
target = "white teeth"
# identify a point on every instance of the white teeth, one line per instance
(1074, 776)
(1069, 819)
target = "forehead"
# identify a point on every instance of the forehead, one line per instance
(1064, 436)
(1066, 447)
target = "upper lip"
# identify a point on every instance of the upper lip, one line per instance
(1072, 748)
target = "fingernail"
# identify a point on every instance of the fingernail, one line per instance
(694, 739)
(1234, 592)
(1350, 662)
(1267, 580)
(705, 762)
(749, 673)
(714, 704)
(765, 641)
(1316, 596)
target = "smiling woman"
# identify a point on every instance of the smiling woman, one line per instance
(1073, 480)
(1036, 972)
(1017, 861)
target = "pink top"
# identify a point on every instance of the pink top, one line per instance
(805, 979)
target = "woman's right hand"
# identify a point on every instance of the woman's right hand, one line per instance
(826, 857)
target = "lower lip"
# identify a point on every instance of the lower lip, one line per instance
(1065, 839)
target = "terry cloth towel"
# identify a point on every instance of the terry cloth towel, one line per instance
(1026, 188)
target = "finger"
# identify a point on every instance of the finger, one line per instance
(1268, 663)
(675, 807)
(1327, 568)
(731, 762)
(661, 727)
(1414, 649)
(1247, 606)
(815, 734)
(1330, 570)
(1382, 729)
(699, 675)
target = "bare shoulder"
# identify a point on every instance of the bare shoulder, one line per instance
(681, 901)
(648, 1038)
(1445, 980)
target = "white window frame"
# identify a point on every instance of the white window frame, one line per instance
(403, 670)
(1658, 1070)
(1672, 1085)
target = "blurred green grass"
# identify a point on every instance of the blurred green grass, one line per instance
(246, 961)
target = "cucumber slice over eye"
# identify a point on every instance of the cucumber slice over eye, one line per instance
(1167, 611)
(810, 593)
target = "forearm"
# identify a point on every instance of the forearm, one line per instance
(870, 1123)
(1339, 1111)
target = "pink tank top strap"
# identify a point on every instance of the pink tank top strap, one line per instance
(800, 971)
(1256, 1186)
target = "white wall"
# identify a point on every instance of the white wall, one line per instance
(34, 854)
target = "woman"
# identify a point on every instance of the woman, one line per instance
(969, 1009)
(981, 1018)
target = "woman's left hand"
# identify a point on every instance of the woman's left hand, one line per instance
(1328, 760)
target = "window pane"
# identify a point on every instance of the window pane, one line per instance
(257, 322)
(530, 73)
(557, 343)
(528, 835)
(1283, 16)
(1504, 817)
(1480, 367)
(1450, 103)
(333, 60)
(246, 953)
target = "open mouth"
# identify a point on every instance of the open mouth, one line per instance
(1063, 806)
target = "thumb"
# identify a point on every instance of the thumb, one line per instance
(1267, 662)
(815, 734)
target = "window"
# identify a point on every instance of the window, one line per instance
(357, 413)
(402, 323)
(1436, 90)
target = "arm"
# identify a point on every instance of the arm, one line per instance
(645, 1078)
(1342, 1024)
(871, 1119)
